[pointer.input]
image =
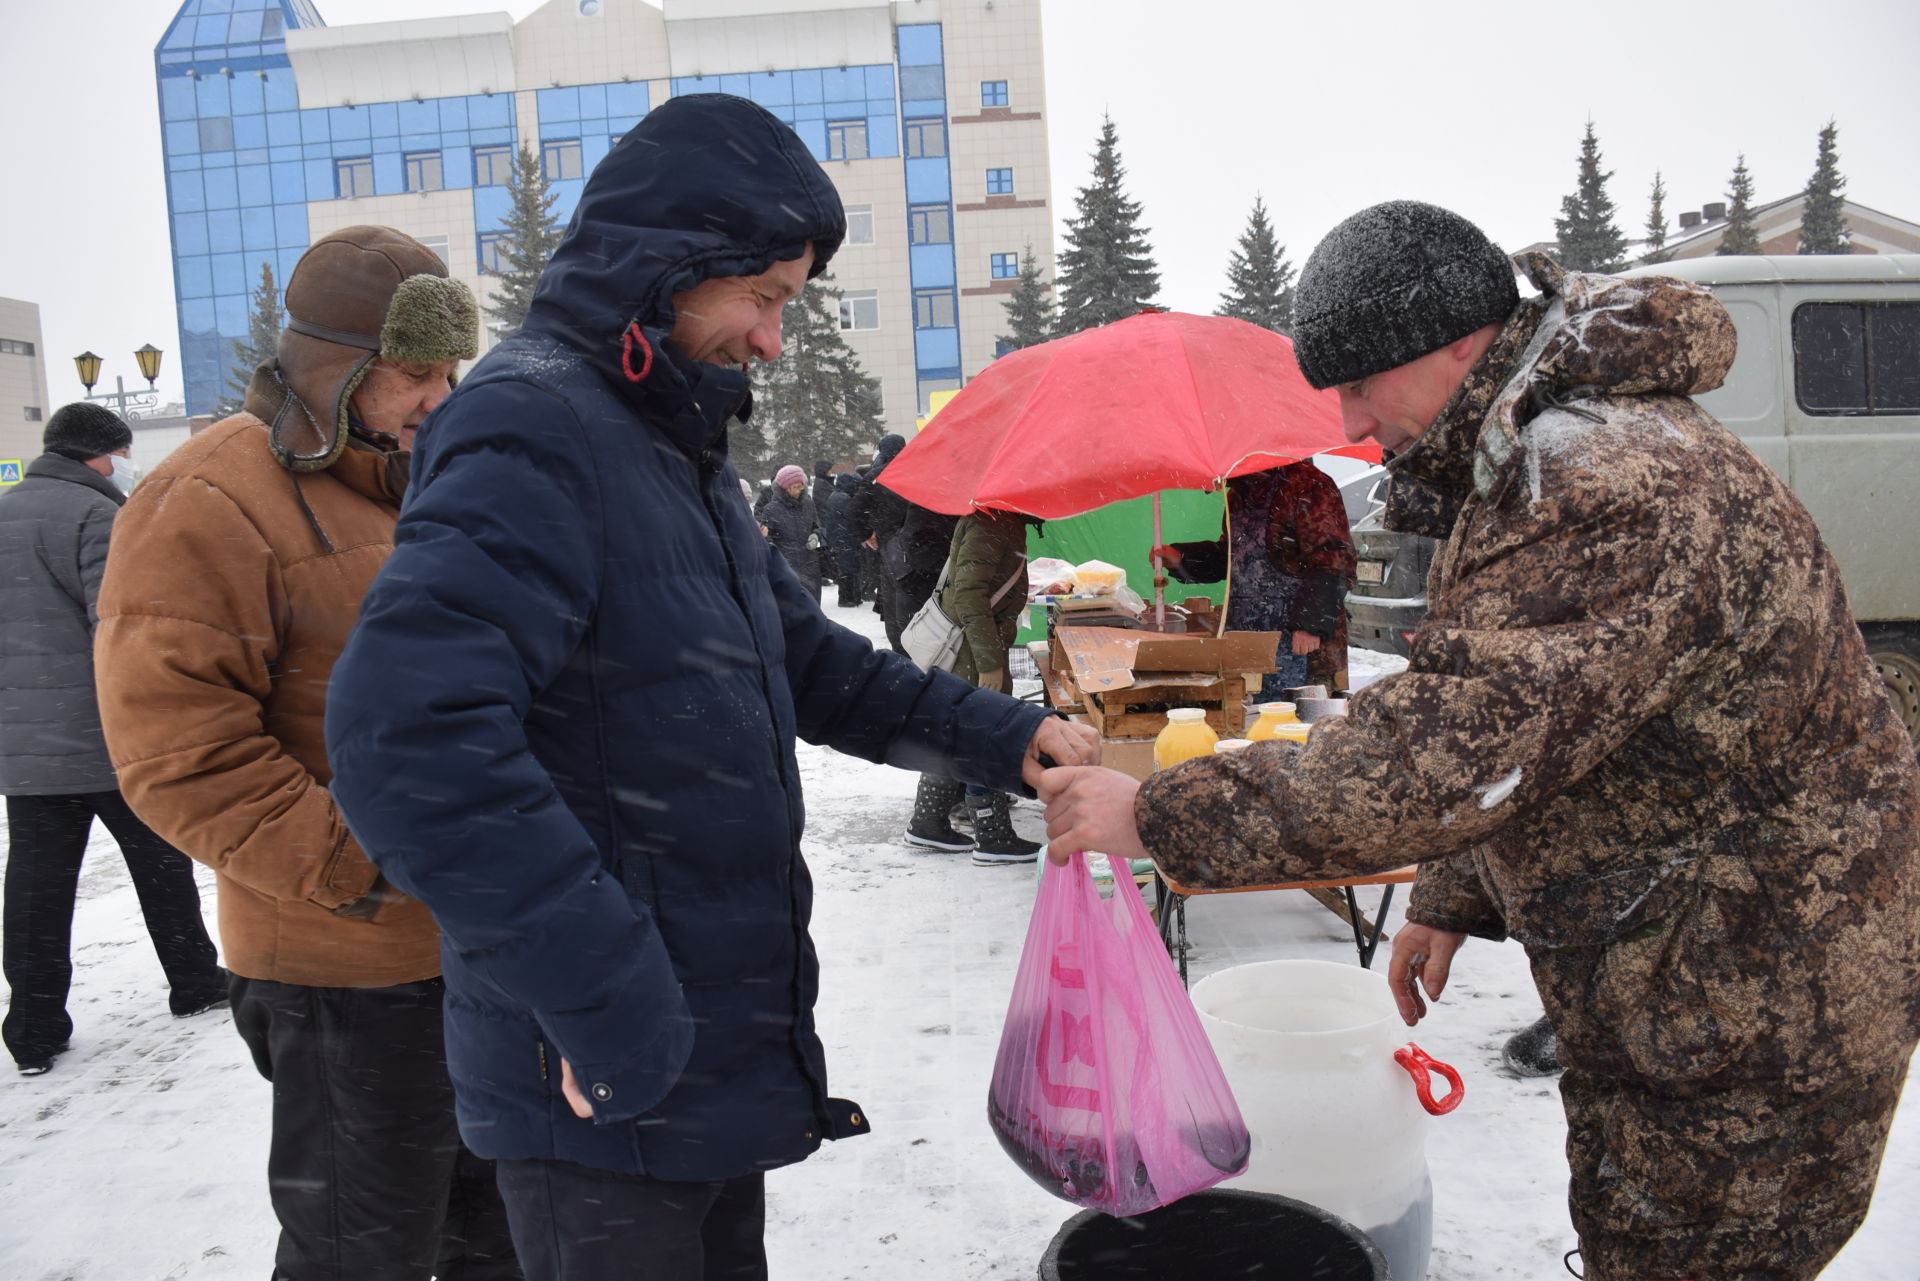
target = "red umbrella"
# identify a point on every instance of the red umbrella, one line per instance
(1161, 400)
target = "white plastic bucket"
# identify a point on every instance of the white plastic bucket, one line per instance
(1309, 1048)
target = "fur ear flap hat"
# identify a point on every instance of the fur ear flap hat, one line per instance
(359, 294)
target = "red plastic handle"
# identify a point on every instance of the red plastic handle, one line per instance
(1417, 1062)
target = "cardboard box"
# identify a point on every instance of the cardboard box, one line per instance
(1129, 679)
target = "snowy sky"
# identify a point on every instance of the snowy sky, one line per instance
(1323, 108)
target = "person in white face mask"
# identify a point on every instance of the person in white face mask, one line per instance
(54, 770)
(122, 471)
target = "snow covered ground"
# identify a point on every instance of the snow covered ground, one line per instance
(142, 1155)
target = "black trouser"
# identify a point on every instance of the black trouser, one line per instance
(368, 1175)
(47, 840)
(573, 1223)
(848, 580)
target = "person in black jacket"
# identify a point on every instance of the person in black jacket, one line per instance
(875, 518)
(566, 720)
(793, 527)
(837, 527)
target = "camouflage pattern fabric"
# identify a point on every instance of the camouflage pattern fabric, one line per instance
(1638, 733)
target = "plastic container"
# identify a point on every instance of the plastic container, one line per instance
(1186, 736)
(1272, 717)
(1214, 1236)
(1337, 1101)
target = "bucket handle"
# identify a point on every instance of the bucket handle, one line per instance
(1417, 1062)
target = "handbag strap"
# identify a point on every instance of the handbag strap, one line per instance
(1008, 585)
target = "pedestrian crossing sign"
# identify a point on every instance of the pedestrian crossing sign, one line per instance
(10, 472)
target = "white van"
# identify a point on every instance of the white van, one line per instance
(1826, 390)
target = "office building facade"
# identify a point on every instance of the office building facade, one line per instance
(23, 388)
(928, 114)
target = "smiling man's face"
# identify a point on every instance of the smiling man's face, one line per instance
(727, 320)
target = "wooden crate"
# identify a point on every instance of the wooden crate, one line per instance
(1140, 710)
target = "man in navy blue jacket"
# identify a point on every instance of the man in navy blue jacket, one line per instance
(566, 720)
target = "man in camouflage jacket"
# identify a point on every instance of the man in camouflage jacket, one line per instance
(1638, 733)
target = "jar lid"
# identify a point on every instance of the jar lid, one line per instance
(1275, 709)
(1185, 714)
(1228, 745)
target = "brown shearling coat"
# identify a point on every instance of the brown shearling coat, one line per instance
(224, 608)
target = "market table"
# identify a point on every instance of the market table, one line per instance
(1134, 757)
(1170, 900)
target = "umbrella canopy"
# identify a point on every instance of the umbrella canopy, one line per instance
(1161, 400)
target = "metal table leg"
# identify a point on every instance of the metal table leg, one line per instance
(1172, 911)
(1366, 938)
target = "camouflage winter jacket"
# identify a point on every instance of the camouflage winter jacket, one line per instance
(1638, 731)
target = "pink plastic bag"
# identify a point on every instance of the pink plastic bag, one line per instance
(1106, 1090)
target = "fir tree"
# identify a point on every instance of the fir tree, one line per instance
(262, 342)
(1107, 271)
(1588, 239)
(1259, 277)
(1657, 223)
(1741, 236)
(815, 401)
(1823, 221)
(1030, 317)
(528, 238)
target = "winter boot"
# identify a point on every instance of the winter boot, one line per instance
(1532, 1051)
(929, 828)
(994, 839)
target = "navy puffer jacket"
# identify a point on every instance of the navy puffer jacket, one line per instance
(566, 720)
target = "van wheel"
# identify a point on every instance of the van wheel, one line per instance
(1895, 651)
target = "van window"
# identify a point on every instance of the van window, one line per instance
(1857, 358)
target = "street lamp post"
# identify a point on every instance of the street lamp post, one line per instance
(125, 402)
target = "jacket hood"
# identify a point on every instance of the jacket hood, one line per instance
(708, 185)
(1586, 336)
(846, 482)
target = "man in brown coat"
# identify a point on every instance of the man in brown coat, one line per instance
(235, 577)
(1638, 732)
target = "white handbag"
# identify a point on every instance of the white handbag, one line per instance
(931, 638)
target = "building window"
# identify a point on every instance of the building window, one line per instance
(353, 178)
(33, 413)
(993, 93)
(999, 182)
(423, 171)
(1857, 359)
(859, 224)
(926, 139)
(1001, 347)
(561, 159)
(492, 261)
(437, 245)
(15, 347)
(216, 133)
(859, 309)
(930, 225)
(492, 166)
(1006, 266)
(846, 140)
(933, 309)
(923, 84)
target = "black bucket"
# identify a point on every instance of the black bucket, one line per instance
(1213, 1236)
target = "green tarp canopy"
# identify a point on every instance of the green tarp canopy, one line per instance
(1122, 534)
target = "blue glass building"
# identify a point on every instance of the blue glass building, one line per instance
(278, 129)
